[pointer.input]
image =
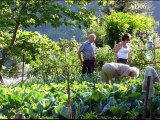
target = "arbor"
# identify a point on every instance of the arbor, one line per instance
(25, 13)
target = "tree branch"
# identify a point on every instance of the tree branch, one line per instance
(14, 34)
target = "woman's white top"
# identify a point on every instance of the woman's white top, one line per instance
(123, 52)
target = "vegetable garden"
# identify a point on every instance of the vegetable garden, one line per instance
(54, 87)
(45, 95)
(89, 99)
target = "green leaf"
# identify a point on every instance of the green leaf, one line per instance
(117, 94)
(40, 108)
(105, 109)
(32, 114)
(97, 95)
(61, 110)
(118, 111)
(133, 96)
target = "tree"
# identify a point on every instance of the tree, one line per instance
(97, 28)
(25, 13)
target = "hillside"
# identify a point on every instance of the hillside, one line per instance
(67, 32)
(156, 13)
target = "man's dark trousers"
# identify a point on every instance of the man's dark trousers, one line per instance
(88, 66)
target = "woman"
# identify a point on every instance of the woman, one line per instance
(123, 50)
(117, 70)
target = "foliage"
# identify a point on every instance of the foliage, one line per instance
(39, 100)
(138, 53)
(34, 13)
(90, 116)
(3, 117)
(43, 56)
(119, 23)
(98, 28)
(15, 14)
(46, 58)
(89, 99)
(45, 95)
(104, 55)
(141, 55)
(67, 32)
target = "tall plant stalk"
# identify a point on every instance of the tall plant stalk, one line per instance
(68, 87)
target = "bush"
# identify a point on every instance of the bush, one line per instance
(104, 55)
(119, 23)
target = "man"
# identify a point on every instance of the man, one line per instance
(88, 49)
(117, 70)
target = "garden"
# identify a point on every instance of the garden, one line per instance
(51, 85)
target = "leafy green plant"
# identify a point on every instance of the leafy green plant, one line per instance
(104, 55)
(3, 117)
(89, 99)
(118, 23)
(90, 115)
(118, 111)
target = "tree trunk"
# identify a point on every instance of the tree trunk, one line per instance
(1, 78)
(1, 63)
(14, 34)
(5, 54)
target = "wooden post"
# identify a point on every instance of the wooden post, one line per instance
(23, 57)
(115, 44)
(68, 87)
(150, 102)
(69, 98)
(18, 116)
(1, 78)
(146, 97)
(154, 54)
